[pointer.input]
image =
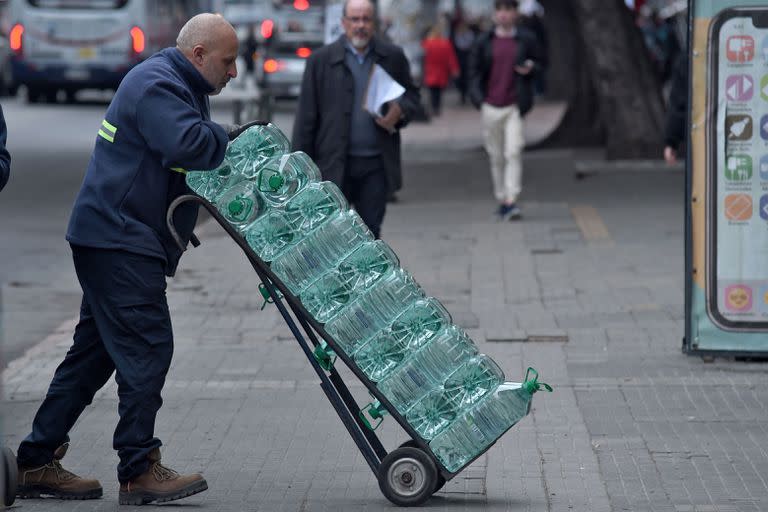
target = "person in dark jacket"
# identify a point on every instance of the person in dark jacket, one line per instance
(358, 152)
(5, 157)
(674, 130)
(503, 64)
(157, 126)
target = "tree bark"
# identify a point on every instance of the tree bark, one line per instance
(628, 92)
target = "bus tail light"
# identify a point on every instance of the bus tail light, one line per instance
(138, 42)
(15, 38)
(303, 52)
(273, 65)
(267, 27)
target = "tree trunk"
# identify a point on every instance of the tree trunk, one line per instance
(628, 92)
(569, 79)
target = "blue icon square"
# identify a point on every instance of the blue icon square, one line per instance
(764, 207)
(764, 127)
(763, 167)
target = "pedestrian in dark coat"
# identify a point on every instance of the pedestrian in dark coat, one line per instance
(5, 157)
(358, 152)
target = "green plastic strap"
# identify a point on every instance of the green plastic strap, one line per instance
(268, 299)
(533, 385)
(325, 356)
(376, 412)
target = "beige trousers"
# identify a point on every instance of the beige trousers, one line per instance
(503, 136)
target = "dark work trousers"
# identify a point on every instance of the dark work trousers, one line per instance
(125, 326)
(365, 187)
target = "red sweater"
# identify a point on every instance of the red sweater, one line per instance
(440, 62)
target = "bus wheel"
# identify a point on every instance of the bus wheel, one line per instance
(71, 95)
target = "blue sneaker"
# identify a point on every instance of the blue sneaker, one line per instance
(509, 212)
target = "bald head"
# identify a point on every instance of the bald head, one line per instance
(209, 42)
(204, 29)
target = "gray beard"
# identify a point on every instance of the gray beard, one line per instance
(359, 43)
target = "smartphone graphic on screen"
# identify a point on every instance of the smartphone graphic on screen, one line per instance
(737, 164)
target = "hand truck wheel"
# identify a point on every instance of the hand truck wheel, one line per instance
(407, 477)
(440, 479)
(10, 476)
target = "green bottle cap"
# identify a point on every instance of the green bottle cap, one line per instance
(275, 181)
(236, 206)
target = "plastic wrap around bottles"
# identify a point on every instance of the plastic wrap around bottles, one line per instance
(282, 177)
(211, 184)
(427, 368)
(254, 147)
(321, 251)
(315, 204)
(271, 235)
(479, 426)
(373, 310)
(241, 204)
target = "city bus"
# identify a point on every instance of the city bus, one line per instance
(71, 45)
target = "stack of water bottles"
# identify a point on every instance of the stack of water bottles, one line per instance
(428, 368)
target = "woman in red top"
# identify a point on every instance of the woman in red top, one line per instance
(440, 65)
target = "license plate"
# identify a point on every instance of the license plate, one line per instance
(87, 52)
(77, 74)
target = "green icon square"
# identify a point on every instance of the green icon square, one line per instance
(738, 167)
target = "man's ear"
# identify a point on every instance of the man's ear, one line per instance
(198, 54)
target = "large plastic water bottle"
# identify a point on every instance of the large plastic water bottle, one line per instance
(410, 330)
(432, 413)
(282, 177)
(314, 204)
(211, 184)
(326, 297)
(463, 388)
(254, 147)
(241, 204)
(373, 310)
(427, 368)
(367, 264)
(479, 427)
(271, 235)
(473, 380)
(321, 251)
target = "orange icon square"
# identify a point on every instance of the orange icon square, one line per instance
(738, 206)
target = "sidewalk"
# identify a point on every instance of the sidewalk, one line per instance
(587, 288)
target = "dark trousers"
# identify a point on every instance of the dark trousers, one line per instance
(436, 99)
(125, 326)
(365, 187)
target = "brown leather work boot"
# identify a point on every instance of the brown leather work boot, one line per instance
(54, 481)
(160, 484)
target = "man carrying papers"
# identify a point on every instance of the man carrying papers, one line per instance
(356, 95)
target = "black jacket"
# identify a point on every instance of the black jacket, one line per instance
(481, 59)
(324, 113)
(5, 157)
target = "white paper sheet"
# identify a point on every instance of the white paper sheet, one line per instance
(381, 89)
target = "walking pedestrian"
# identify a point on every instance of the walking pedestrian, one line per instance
(502, 67)
(157, 125)
(440, 66)
(675, 132)
(5, 157)
(463, 39)
(355, 150)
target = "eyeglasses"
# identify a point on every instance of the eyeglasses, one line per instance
(359, 19)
